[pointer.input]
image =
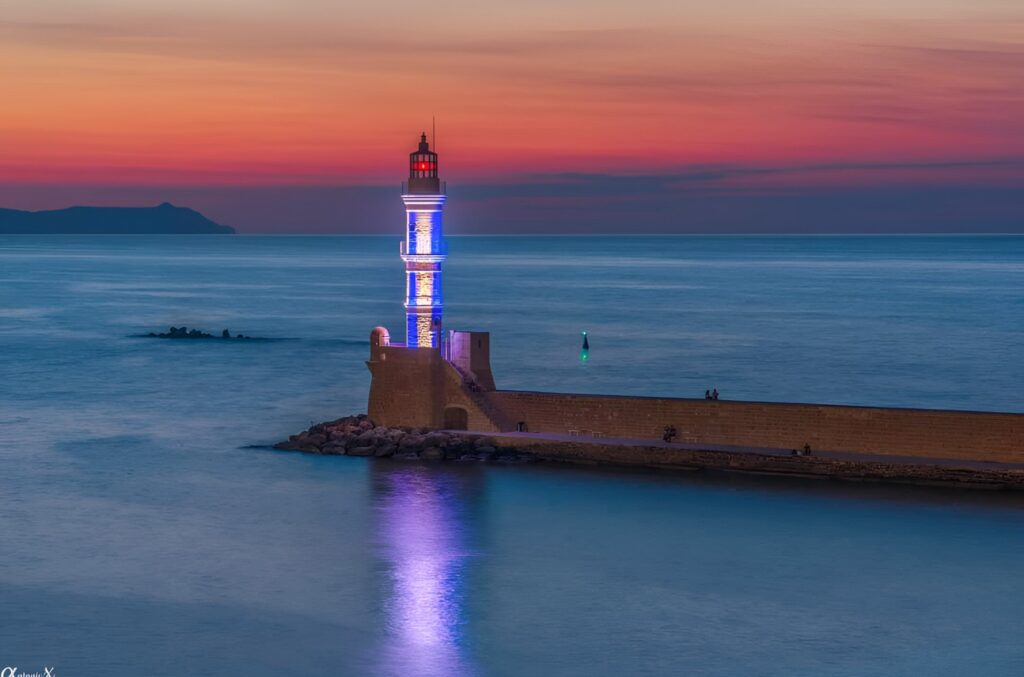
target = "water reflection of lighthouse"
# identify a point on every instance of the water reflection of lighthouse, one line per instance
(424, 546)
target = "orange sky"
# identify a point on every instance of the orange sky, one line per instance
(310, 92)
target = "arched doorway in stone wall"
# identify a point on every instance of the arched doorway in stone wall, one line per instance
(456, 418)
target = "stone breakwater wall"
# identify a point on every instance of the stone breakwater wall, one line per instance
(360, 436)
(801, 466)
(418, 387)
(926, 433)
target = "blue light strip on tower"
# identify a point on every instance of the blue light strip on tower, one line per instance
(423, 253)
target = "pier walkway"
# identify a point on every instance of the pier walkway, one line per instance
(757, 451)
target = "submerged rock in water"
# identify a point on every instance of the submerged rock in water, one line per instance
(359, 436)
(186, 333)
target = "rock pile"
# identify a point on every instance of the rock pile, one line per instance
(186, 333)
(359, 436)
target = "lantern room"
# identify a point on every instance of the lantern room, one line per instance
(423, 170)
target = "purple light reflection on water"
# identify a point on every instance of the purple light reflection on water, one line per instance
(421, 543)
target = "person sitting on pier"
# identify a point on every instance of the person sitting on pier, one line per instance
(714, 394)
(707, 394)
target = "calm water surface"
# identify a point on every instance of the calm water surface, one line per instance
(141, 537)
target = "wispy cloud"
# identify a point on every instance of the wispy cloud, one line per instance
(992, 54)
(312, 91)
(568, 188)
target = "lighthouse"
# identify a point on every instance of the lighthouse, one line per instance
(423, 249)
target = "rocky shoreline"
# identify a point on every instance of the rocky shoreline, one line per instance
(359, 436)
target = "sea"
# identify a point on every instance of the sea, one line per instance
(146, 527)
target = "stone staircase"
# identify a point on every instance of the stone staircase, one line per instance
(479, 397)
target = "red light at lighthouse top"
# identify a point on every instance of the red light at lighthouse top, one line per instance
(423, 170)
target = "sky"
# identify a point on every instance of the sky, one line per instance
(552, 116)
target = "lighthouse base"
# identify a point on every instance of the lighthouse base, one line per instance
(419, 387)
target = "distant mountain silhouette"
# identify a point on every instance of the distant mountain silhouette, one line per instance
(165, 219)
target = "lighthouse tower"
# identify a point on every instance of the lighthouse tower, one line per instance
(423, 250)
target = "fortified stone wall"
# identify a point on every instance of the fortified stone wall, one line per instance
(418, 387)
(871, 430)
